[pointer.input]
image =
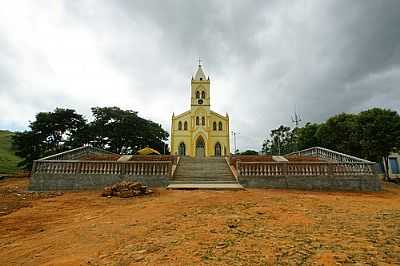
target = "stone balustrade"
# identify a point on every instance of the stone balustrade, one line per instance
(77, 153)
(329, 155)
(304, 168)
(131, 168)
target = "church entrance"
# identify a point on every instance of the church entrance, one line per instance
(182, 149)
(200, 147)
(218, 149)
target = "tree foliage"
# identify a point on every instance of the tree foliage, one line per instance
(123, 131)
(50, 133)
(307, 136)
(282, 140)
(371, 134)
(249, 152)
(113, 129)
(380, 129)
(341, 133)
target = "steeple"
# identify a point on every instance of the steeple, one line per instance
(200, 73)
(200, 89)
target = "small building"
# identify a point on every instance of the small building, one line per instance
(200, 132)
(394, 162)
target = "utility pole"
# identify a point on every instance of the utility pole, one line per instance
(279, 144)
(234, 140)
(296, 120)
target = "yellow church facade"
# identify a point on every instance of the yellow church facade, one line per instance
(200, 132)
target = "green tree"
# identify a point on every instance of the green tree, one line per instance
(50, 133)
(340, 133)
(380, 134)
(123, 131)
(307, 136)
(249, 152)
(282, 140)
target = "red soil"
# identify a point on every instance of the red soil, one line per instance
(252, 227)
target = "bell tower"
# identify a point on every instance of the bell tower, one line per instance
(200, 89)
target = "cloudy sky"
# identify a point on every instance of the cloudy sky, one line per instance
(264, 58)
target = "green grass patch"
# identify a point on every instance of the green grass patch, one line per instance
(8, 159)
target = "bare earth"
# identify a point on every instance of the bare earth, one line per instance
(253, 227)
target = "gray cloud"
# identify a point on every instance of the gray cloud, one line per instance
(265, 58)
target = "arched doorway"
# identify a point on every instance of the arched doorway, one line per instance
(217, 149)
(200, 147)
(182, 149)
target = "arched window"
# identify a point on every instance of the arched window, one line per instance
(197, 94)
(180, 125)
(203, 120)
(214, 126)
(197, 121)
(185, 125)
(220, 125)
(203, 94)
(182, 149)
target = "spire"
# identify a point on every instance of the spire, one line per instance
(200, 73)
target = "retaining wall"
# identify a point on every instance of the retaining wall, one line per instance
(347, 183)
(44, 182)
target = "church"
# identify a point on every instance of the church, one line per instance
(200, 132)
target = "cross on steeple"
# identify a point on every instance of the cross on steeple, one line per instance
(199, 61)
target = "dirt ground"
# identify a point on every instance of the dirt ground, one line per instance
(252, 227)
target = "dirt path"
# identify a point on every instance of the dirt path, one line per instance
(253, 227)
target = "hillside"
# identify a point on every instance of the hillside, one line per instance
(8, 160)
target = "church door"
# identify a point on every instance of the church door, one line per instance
(200, 147)
(218, 149)
(182, 149)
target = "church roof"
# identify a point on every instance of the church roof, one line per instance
(200, 74)
(147, 151)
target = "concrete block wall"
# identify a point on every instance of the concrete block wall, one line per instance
(338, 183)
(45, 182)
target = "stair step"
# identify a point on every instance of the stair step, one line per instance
(203, 181)
(206, 186)
(202, 173)
(205, 170)
(202, 178)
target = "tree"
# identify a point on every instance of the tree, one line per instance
(50, 133)
(123, 131)
(113, 129)
(340, 133)
(380, 134)
(282, 140)
(307, 136)
(249, 152)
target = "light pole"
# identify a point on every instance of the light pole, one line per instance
(164, 144)
(234, 140)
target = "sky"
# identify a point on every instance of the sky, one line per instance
(265, 59)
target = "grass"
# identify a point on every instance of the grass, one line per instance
(8, 159)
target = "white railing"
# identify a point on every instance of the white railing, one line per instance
(76, 153)
(134, 168)
(303, 169)
(329, 155)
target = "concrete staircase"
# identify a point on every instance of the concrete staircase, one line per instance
(203, 173)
